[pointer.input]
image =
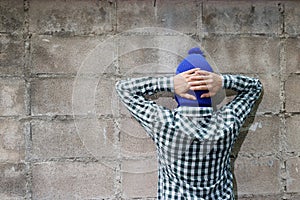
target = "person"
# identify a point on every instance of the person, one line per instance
(193, 141)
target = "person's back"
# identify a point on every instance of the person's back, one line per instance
(193, 141)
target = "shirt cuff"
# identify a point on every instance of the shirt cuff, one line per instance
(226, 81)
(166, 84)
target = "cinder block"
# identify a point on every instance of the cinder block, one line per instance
(233, 54)
(257, 175)
(12, 181)
(55, 96)
(52, 54)
(246, 17)
(148, 62)
(149, 44)
(12, 145)
(292, 97)
(99, 138)
(254, 134)
(141, 184)
(61, 139)
(105, 97)
(11, 16)
(292, 17)
(152, 51)
(55, 139)
(292, 135)
(134, 139)
(74, 180)
(271, 97)
(293, 179)
(94, 96)
(126, 19)
(12, 96)
(292, 55)
(79, 17)
(177, 15)
(11, 54)
(52, 96)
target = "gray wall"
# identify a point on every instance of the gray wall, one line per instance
(44, 43)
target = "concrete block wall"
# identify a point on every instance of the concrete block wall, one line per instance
(43, 154)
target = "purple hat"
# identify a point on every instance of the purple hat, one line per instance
(195, 59)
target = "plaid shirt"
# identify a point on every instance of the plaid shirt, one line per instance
(193, 143)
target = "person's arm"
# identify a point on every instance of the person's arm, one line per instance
(132, 92)
(248, 89)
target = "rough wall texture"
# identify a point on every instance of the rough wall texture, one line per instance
(42, 46)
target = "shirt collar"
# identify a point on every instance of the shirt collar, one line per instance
(195, 111)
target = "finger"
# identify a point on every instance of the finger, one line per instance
(191, 71)
(198, 77)
(187, 76)
(197, 83)
(202, 87)
(203, 72)
(193, 77)
(206, 95)
(188, 96)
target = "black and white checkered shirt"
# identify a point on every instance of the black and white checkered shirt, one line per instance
(193, 144)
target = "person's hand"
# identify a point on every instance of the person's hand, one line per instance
(196, 79)
(204, 80)
(182, 85)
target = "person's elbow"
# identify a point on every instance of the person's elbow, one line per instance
(259, 86)
(259, 89)
(118, 86)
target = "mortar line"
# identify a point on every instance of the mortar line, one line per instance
(219, 34)
(282, 113)
(116, 120)
(27, 102)
(200, 31)
(116, 20)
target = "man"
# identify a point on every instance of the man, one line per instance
(193, 141)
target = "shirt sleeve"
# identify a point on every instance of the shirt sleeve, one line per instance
(132, 92)
(248, 89)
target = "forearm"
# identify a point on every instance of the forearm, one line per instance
(248, 91)
(127, 89)
(132, 93)
(241, 84)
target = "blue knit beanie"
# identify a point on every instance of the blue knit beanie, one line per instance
(195, 59)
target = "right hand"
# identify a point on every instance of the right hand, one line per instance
(204, 80)
(196, 79)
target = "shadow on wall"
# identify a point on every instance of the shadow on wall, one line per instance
(241, 138)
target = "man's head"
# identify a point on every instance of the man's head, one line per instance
(195, 59)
